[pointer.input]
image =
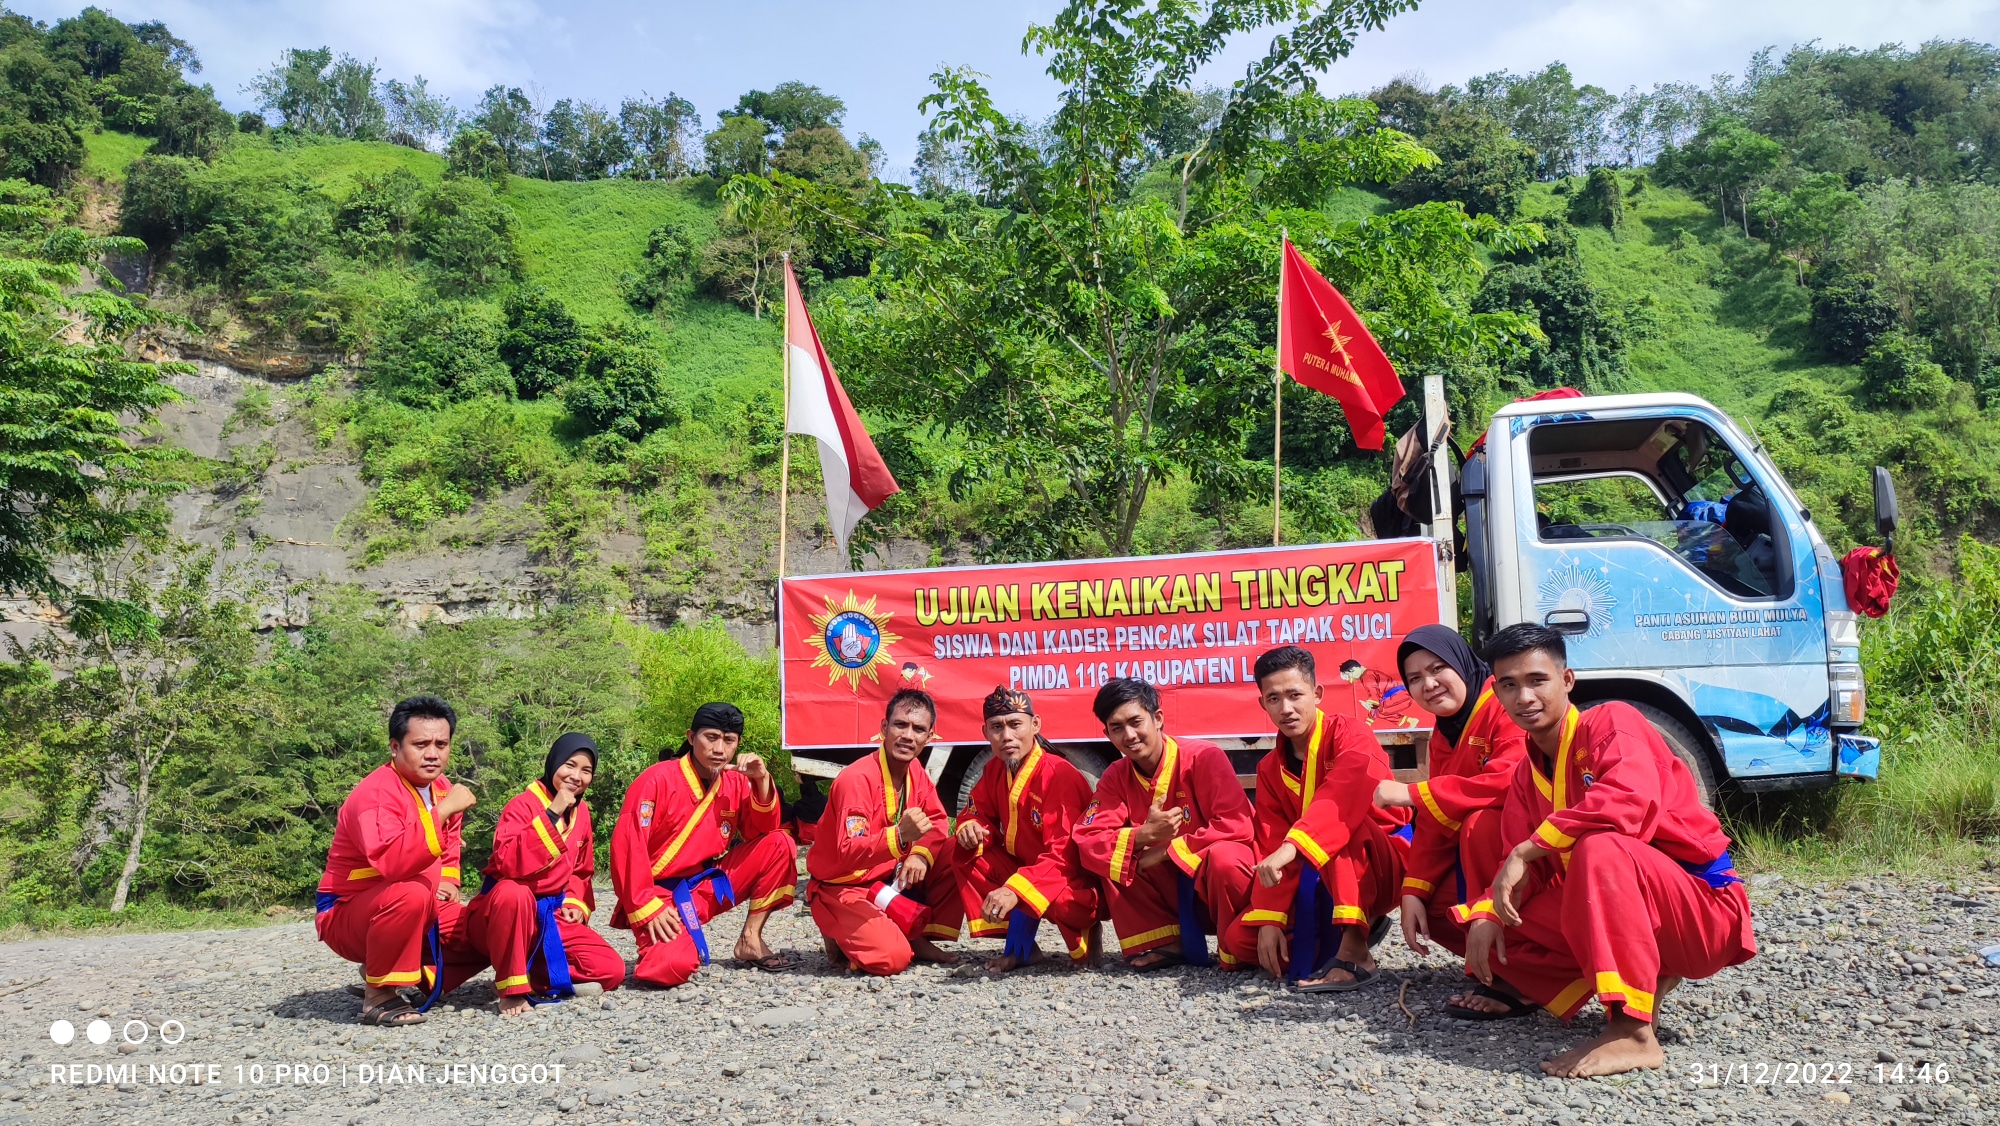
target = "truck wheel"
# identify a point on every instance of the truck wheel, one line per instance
(1090, 759)
(1690, 750)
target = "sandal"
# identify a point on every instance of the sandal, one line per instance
(393, 1014)
(1516, 1007)
(773, 963)
(1361, 977)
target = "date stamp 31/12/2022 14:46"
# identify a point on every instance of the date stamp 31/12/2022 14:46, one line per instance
(1811, 1073)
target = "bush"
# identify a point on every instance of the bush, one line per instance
(685, 667)
(192, 123)
(467, 236)
(1479, 165)
(1848, 315)
(1898, 372)
(1586, 346)
(159, 201)
(620, 390)
(666, 268)
(377, 221)
(475, 155)
(1600, 202)
(430, 353)
(543, 345)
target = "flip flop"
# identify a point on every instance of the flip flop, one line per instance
(1378, 930)
(1516, 1007)
(773, 963)
(393, 1014)
(1361, 977)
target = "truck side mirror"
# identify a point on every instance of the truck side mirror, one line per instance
(1885, 507)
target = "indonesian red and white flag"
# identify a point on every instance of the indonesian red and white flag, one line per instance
(1323, 344)
(857, 479)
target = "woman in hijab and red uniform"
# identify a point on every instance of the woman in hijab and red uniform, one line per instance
(531, 918)
(1456, 846)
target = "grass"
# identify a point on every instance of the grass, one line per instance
(106, 155)
(579, 239)
(18, 923)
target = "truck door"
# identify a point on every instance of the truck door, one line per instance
(1657, 544)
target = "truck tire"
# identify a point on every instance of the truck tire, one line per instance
(1089, 759)
(1692, 752)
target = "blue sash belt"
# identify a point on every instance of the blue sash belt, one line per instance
(1194, 943)
(1021, 927)
(1312, 912)
(1717, 873)
(547, 944)
(682, 891)
(324, 901)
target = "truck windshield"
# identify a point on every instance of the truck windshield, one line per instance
(1675, 482)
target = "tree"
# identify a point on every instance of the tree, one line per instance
(1805, 220)
(1479, 164)
(1727, 158)
(417, 118)
(620, 390)
(1600, 202)
(44, 105)
(1898, 373)
(1083, 345)
(793, 105)
(474, 154)
(466, 235)
(542, 344)
(661, 136)
(580, 141)
(1564, 123)
(737, 147)
(1848, 315)
(665, 268)
(140, 699)
(821, 153)
(70, 481)
(432, 353)
(505, 114)
(193, 124)
(315, 93)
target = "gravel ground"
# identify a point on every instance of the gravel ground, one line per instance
(1857, 986)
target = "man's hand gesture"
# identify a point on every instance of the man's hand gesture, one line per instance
(1274, 950)
(756, 771)
(912, 871)
(1161, 825)
(1000, 902)
(911, 827)
(665, 926)
(1271, 869)
(458, 799)
(1416, 925)
(1483, 940)
(971, 835)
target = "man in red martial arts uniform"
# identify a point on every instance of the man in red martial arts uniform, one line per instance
(392, 870)
(699, 834)
(531, 918)
(1316, 801)
(1621, 885)
(878, 861)
(1015, 861)
(1456, 848)
(1169, 830)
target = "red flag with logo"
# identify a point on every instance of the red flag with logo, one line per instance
(1323, 345)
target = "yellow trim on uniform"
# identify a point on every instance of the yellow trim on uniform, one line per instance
(409, 977)
(548, 841)
(1081, 950)
(1608, 981)
(1121, 847)
(1309, 780)
(1171, 930)
(1553, 837)
(1190, 860)
(982, 929)
(1263, 918)
(939, 930)
(765, 807)
(889, 801)
(1541, 783)
(510, 982)
(700, 810)
(1227, 958)
(1307, 845)
(645, 911)
(1345, 914)
(450, 872)
(1017, 791)
(890, 838)
(1019, 885)
(1423, 790)
(424, 816)
(1424, 887)
(364, 874)
(585, 907)
(923, 851)
(1572, 995)
(777, 898)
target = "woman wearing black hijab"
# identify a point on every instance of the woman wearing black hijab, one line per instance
(531, 918)
(1456, 846)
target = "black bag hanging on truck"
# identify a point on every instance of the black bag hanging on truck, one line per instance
(1405, 506)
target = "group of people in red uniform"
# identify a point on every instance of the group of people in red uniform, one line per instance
(1563, 853)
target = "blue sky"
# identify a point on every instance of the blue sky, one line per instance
(878, 54)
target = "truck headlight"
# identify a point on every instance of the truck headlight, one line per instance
(1849, 695)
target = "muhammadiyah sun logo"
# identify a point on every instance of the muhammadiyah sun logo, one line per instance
(851, 640)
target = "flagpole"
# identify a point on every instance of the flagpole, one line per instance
(785, 423)
(1278, 400)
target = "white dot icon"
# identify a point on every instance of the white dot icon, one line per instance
(99, 1032)
(62, 1032)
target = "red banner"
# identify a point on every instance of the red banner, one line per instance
(1191, 625)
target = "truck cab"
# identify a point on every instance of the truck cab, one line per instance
(1686, 576)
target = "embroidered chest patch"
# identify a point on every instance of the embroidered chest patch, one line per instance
(1035, 817)
(1090, 812)
(645, 814)
(1589, 780)
(857, 826)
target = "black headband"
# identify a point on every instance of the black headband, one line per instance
(1007, 701)
(726, 718)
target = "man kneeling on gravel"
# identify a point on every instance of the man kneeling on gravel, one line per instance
(1621, 885)
(392, 870)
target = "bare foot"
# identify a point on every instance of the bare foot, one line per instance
(514, 1006)
(1007, 962)
(1353, 949)
(1479, 1003)
(1151, 959)
(748, 951)
(1628, 1044)
(835, 956)
(927, 950)
(1093, 955)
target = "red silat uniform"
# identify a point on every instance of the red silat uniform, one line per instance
(378, 896)
(1620, 904)
(671, 828)
(1328, 812)
(1212, 848)
(1029, 816)
(535, 855)
(859, 847)
(1456, 847)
